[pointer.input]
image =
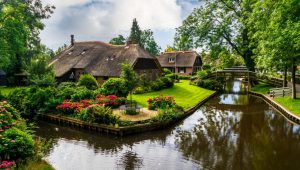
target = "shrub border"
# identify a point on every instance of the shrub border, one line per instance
(283, 111)
(121, 131)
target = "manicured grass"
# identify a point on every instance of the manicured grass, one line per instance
(262, 87)
(6, 90)
(185, 95)
(290, 104)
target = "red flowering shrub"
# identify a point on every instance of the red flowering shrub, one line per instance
(7, 165)
(68, 107)
(110, 100)
(161, 102)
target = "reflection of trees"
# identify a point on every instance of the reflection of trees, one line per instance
(130, 160)
(231, 140)
(106, 144)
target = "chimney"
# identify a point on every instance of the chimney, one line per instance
(72, 40)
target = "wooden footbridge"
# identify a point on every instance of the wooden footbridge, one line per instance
(248, 76)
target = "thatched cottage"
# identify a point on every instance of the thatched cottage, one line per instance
(103, 61)
(182, 62)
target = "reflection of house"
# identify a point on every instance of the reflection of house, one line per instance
(2, 78)
(103, 60)
(184, 62)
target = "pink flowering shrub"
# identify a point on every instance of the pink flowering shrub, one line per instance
(7, 165)
(15, 141)
(161, 102)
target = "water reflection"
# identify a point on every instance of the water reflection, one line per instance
(240, 134)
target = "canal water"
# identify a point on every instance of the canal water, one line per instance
(232, 131)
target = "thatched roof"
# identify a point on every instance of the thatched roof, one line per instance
(98, 58)
(183, 58)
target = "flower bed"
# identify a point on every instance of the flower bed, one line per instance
(161, 102)
(7, 165)
(93, 111)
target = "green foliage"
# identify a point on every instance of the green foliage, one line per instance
(40, 73)
(16, 143)
(210, 84)
(202, 74)
(20, 22)
(120, 40)
(31, 100)
(130, 78)
(161, 102)
(167, 71)
(148, 43)
(88, 81)
(98, 114)
(218, 26)
(135, 34)
(82, 93)
(115, 86)
(263, 88)
(169, 114)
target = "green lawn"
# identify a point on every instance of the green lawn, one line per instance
(262, 88)
(290, 104)
(185, 95)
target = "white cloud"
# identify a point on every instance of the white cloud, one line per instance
(103, 19)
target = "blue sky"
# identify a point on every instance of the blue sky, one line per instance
(101, 20)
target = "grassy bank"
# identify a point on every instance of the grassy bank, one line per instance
(290, 104)
(185, 95)
(262, 87)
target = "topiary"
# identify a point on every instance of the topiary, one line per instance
(88, 81)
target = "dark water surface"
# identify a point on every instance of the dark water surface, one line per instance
(232, 131)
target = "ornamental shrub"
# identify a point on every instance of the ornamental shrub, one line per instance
(82, 93)
(88, 81)
(98, 114)
(15, 141)
(115, 86)
(161, 102)
(110, 100)
(168, 114)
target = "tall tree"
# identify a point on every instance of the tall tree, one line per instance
(120, 40)
(135, 34)
(20, 25)
(218, 25)
(277, 31)
(148, 43)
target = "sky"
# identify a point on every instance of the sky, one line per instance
(101, 20)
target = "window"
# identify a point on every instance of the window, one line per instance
(171, 60)
(182, 69)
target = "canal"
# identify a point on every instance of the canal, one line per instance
(232, 131)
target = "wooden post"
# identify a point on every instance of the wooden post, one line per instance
(248, 81)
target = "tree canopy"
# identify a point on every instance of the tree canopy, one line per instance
(20, 25)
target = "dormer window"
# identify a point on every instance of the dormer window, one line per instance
(171, 60)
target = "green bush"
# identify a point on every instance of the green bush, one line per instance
(182, 77)
(168, 114)
(64, 85)
(88, 81)
(98, 114)
(65, 92)
(206, 67)
(82, 93)
(211, 84)
(31, 100)
(202, 74)
(167, 71)
(115, 86)
(167, 82)
(15, 142)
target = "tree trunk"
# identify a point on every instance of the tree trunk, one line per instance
(285, 77)
(294, 67)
